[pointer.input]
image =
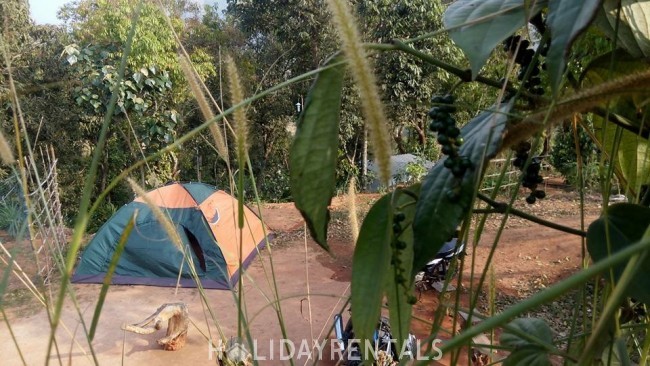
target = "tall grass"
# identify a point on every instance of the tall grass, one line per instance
(586, 332)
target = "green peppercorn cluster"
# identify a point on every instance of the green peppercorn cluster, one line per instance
(524, 56)
(530, 178)
(397, 247)
(444, 124)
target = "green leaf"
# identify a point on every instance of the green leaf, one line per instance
(632, 34)
(626, 224)
(314, 152)
(616, 64)
(129, 83)
(398, 296)
(72, 59)
(137, 77)
(437, 216)
(478, 26)
(528, 356)
(566, 21)
(633, 156)
(524, 350)
(369, 267)
(534, 327)
(619, 355)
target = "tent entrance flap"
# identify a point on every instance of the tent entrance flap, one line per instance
(196, 249)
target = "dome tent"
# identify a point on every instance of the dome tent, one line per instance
(206, 221)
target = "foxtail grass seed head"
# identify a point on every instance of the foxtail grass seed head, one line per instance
(364, 78)
(352, 209)
(6, 153)
(241, 122)
(204, 106)
(158, 214)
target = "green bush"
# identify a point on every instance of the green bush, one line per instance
(564, 157)
(12, 208)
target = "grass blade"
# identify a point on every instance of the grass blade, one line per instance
(81, 221)
(109, 275)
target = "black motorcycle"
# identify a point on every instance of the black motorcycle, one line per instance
(385, 348)
(436, 270)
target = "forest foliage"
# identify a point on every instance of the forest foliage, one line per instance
(459, 83)
(66, 74)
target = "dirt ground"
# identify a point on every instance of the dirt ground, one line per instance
(528, 258)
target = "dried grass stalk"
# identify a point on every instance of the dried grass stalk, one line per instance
(364, 78)
(239, 115)
(204, 106)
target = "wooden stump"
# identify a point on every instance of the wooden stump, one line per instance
(177, 317)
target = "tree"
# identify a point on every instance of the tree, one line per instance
(407, 83)
(15, 26)
(15, 23)
(282, 39)
(153, 98)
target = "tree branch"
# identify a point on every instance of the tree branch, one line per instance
(500, 207)
(464, 74)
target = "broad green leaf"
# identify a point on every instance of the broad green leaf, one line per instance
(566, 21)
(626, 224)
(314, 152)
(619, 355)
(633, 155)
(614, 65)
(533, 327)
(528, 356)
(398, 295)
(137, 77)
(370, 267)
(524, 350)
(633, 33)
(478, 26)
(437, 216)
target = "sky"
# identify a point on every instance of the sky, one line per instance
(44, 11)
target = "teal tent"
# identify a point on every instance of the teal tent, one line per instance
(206, 222)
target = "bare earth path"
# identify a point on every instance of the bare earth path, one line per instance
(528, 258)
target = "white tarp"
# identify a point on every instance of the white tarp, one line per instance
(398, 171)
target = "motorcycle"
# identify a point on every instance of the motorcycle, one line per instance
(436, 270)
(385, 348)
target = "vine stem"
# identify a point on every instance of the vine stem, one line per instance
(500, 207)
(464, 74)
